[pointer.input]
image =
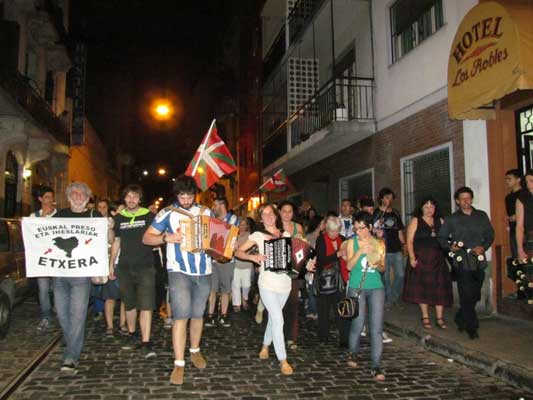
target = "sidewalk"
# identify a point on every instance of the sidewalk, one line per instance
(503, 349)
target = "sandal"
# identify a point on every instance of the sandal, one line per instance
(123, 330)
(378, 374)
(441, 323)
(351, 361)
(109, 332)
(426, 323)
(292, 344)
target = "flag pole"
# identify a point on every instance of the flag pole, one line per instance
(204, 143)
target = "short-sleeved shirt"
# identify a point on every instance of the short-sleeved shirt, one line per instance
(391, 223)
(510, 202)
(39, 213)
(346, 227)
(130, 230)
(280, 283)
(168, 220)
(373, 277)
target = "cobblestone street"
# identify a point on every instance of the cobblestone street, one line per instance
(234, 371)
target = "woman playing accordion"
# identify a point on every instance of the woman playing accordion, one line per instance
(274, 287)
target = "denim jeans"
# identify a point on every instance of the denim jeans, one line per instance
(374, 301)
(71, 296)
(394, 262)
(188, 295)
(274, 303)
(311, 301)
(44, 296)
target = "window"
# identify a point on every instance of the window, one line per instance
(427, 174)
(413, 21)
(524, 119)
(356, 186)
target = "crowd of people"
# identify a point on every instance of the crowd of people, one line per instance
(363, 251)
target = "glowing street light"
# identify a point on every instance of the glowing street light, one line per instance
(160, 199)
(145, 173)
(162, 109)
(162, 171)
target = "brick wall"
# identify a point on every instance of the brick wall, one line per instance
(383, 151)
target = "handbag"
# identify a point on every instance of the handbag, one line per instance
(328, 281)
(348, 307)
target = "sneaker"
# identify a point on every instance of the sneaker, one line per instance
(211, 321)
(130, 341)
(168, 323)
(68, 366)
(176, 378)
(224, 321)
(363, 332)
(43, 325)
(385, 338)
(98, 316)
(198, 360)
(146, 349)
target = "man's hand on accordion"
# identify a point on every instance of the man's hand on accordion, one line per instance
(172, 237)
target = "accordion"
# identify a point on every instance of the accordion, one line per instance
(287, 255)
(204, 233)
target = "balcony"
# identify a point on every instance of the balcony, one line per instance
(275, 54)
(339, 114)
(300, 16)
(18, 87)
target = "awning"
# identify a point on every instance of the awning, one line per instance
(491, 56)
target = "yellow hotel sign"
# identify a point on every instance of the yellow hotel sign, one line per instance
(491, 56)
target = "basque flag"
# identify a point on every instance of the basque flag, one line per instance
(211, 161)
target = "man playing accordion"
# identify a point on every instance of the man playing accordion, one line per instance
(189, 274)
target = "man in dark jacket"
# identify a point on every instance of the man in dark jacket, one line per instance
(468, 233)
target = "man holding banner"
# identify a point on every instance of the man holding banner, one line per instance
(71, 247)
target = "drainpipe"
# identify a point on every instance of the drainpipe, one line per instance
(333, 60)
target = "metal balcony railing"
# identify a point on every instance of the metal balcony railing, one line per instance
(300, 16)
(341, 99)
(19, 88)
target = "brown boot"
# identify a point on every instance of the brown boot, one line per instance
(286, 368)
(263, 354)
(198, 360)
(177, 375)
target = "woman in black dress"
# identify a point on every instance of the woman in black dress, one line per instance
(427, 277)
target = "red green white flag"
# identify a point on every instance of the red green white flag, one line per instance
(211, 161)
(276, 183)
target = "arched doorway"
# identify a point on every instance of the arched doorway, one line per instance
(11, 183)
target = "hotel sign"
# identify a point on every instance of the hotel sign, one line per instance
(485, 62)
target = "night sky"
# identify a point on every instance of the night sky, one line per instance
(138, 50)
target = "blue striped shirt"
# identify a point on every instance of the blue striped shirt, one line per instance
(197, 264)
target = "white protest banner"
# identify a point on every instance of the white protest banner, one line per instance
(69, 247)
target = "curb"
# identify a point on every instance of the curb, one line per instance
(513, 374)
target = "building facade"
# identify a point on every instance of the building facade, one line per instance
(34, 109)
(355, 98)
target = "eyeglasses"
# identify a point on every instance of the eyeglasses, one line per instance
(360, 228)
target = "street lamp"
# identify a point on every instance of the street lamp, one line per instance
(145, 173)
(162, 171)
(162, 109)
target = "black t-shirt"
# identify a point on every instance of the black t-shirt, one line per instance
(130, 231)
(68, 213)
(391, 223)
(510, 202)
(526, 197)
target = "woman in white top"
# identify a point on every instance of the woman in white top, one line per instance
(274, 288)
(242, 278)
